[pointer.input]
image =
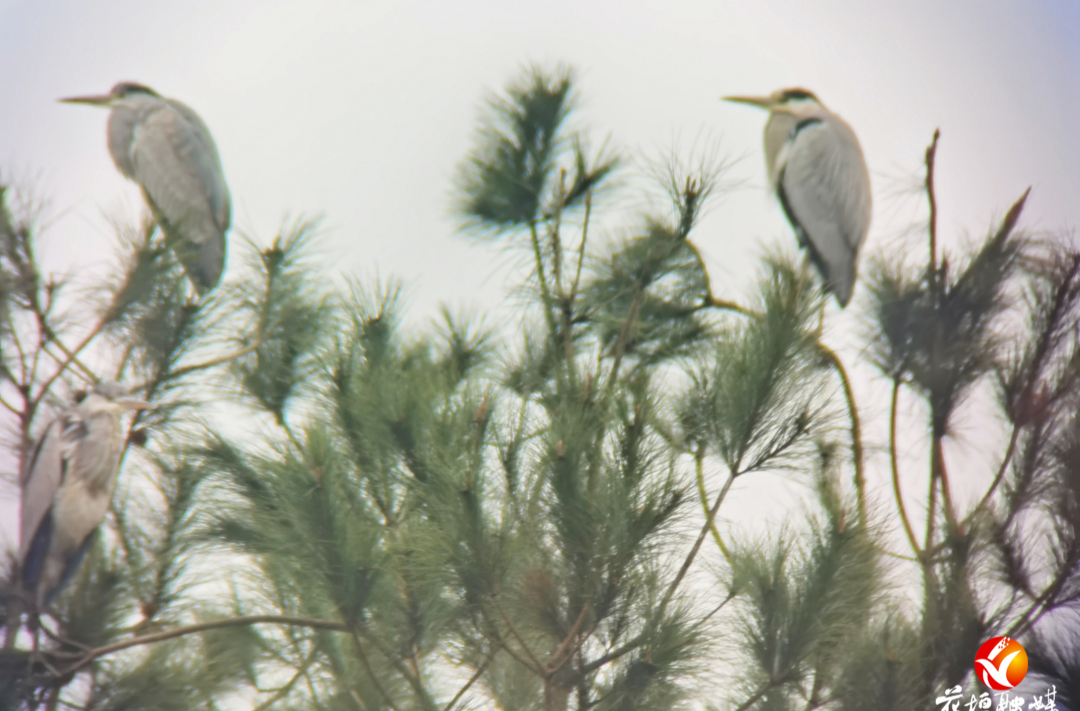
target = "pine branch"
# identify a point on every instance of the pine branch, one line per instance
(245, 621)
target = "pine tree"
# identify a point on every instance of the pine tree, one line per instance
(457, 516)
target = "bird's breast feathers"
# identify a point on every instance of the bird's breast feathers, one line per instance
(81, 508)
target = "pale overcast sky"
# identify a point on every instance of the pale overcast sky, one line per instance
(360, 111)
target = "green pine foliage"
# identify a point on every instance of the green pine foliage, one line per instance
(458, 516)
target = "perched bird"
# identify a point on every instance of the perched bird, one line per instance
(167, 150)
(66, 488)
(817, 168)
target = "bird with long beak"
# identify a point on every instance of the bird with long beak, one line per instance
(67, 486)
(166, 149)
(816, 167)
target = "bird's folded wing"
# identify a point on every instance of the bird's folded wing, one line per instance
(180, 176)
(826, 182)
(825, 191)
(208, 166)
(43, 475)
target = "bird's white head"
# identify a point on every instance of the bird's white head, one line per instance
(797, 102)
(113, 397)
(124, 93)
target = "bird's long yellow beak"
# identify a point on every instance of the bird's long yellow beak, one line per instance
(96, 100)
(762, 102)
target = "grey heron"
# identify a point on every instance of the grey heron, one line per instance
(164, 147)
(817, 169)
(67, 485)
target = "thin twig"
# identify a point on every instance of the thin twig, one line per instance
(756, 696)
(724, 305)
(568, 309)
(624, 334)
(1042, 351)
(537, 666)
(284, 690)
(52, 336)
(244, 621)
(856, 429)
(612, 656)
(14, 410)
(697, 544)
(710, 301)
(556, 242)
(371, 672)
(472, 679)
(898, 556)
(937, 452)
(545, 293)
(93, 333)
(414, 680)
(514, 655)
(1041, 604)
(699, 472)
(233, 355)
(81, 370)
(1009, 451)
(896, 471)
(730, 596)
(581, 247)
(931, 510)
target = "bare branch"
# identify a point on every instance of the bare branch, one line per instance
(931, 154)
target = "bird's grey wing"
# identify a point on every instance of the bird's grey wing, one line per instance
(208, 166)
(177, 165)
(43, 476)
(71, 566)
(825, 190)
